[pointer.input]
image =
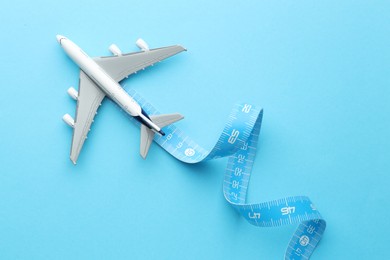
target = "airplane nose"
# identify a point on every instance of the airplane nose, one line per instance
(59, 38)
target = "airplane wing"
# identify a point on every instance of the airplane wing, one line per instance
(89, 99)
(119, 67)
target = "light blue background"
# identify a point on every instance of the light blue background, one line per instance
(320, 71)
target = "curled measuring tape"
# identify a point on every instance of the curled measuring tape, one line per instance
(239, 141)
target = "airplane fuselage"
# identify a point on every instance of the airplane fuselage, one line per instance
(106, 83)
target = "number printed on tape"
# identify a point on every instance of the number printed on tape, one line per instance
(247, 118)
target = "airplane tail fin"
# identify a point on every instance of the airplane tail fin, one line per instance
(147, 134)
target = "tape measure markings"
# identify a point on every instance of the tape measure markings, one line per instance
(238, 140)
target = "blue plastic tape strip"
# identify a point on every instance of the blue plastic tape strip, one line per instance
(239, 141)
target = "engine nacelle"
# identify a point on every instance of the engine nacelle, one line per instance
(68, 120)
(115, 50)
(142, 45)
(73, 93)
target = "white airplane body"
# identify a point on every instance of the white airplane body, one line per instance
(99, 77)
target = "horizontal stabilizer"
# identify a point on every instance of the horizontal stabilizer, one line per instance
(147, 134)
(164, 120)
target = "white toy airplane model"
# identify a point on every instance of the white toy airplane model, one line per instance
(99, 77)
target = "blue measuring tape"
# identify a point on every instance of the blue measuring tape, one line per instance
(239, 141)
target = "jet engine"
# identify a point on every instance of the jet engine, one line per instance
(68, 120)
(115, 50)
(142, 45)
(73, 93)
